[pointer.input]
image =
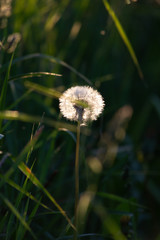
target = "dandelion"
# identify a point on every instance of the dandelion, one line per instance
(81, 104)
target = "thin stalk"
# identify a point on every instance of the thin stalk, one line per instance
(77, 181)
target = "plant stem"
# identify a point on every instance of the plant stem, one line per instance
(77, 180)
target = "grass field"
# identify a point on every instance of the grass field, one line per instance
(46, 47)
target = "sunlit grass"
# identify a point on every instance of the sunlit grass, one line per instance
(65, 44)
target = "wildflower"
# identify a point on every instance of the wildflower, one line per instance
(81, 104)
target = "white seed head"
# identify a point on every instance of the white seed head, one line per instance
(81, 103)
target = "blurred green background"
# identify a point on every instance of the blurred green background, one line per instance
(120, 155)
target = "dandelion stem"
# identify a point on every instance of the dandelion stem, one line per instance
(77, 180)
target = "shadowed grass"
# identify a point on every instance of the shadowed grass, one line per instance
(3, 91)
(109, 223)
(17, 214)
(20, 158)
(49, 58)
(26, 193)
(124, 37)
(119, 199)
(37, 183)
(27, 171)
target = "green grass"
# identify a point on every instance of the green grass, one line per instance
(113, 47)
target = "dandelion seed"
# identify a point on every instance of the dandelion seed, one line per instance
(81, 104)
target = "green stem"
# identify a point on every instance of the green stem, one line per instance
(77, 180)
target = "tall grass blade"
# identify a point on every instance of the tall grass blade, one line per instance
(51, 59)
(31, 216)
(119, 199)
(15, 115)
(4, 89)
(20, 158)
(17, 214)
(21, 230)
(123, 36)
(18, 116)
(14, 104)
(43, 90)
(37, 183)
(25, 192)
(34, 74)
(6, 178)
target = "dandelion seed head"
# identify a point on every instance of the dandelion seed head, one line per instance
(81, 103)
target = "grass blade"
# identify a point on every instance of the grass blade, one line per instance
(33, 74)
(51, 59)
(36, 182)
(26, 193)
(4, 89)
(119, 199)
(50, 92)
(19, 100)
(34, 211)
(20, 158)
(123, 36)
(17, 214)
(15, 115)
(43, 90)
(21, 230)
